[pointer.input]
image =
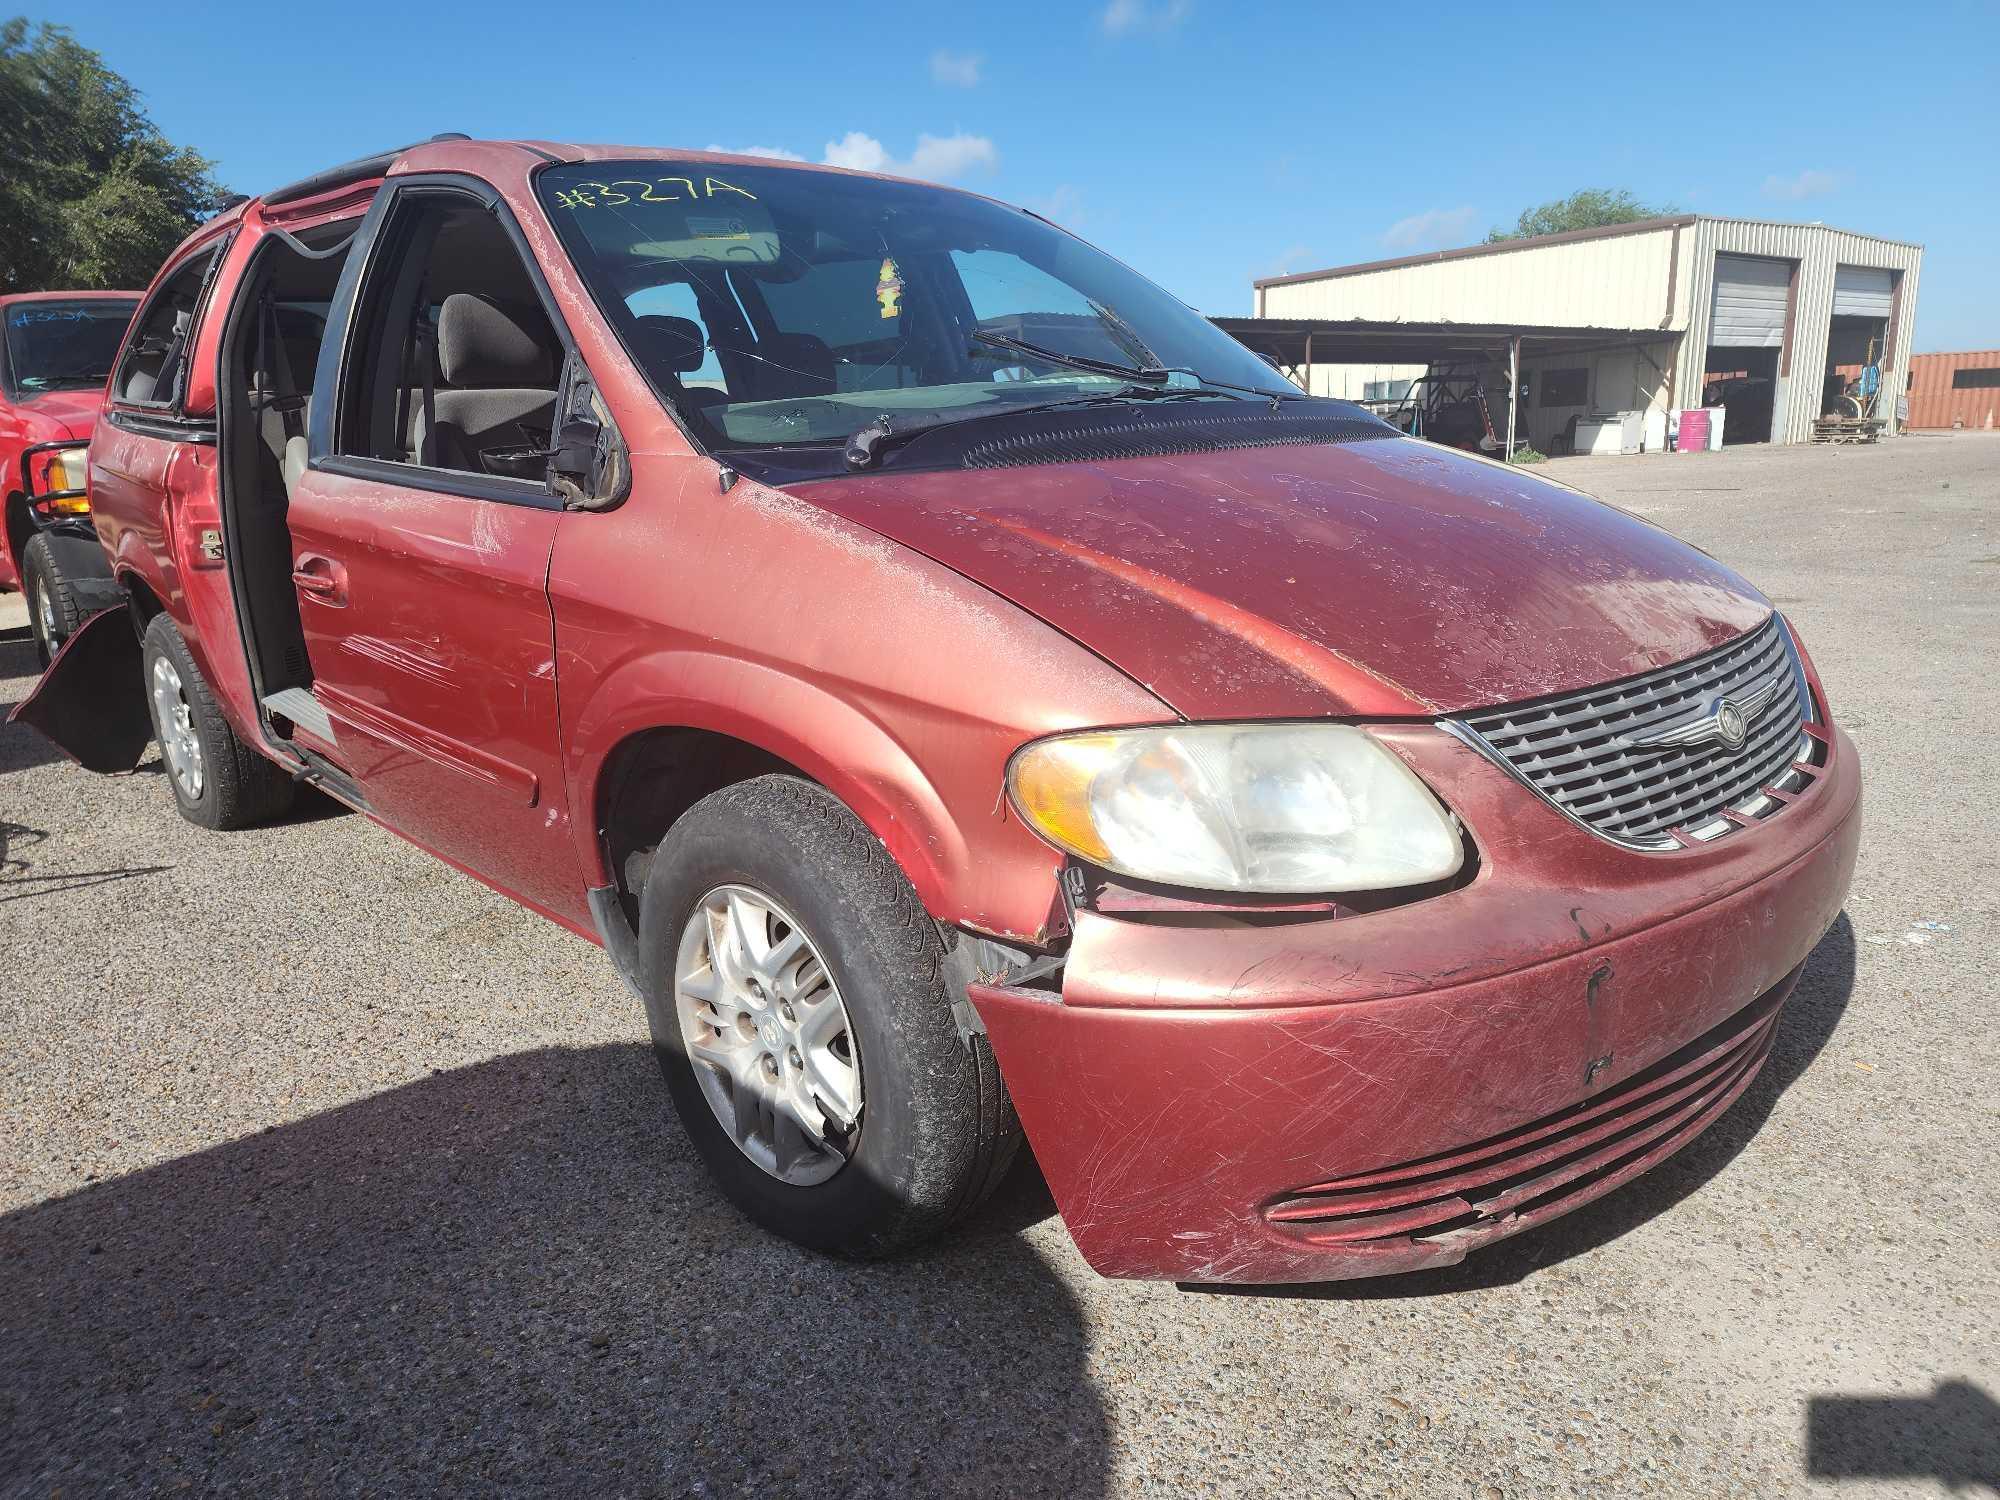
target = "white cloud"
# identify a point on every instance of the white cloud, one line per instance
(937, 158)
(1286, 261)
(776, 153)
(959, 70)
(1129, 17)
(1062, 204)
(1810, 183)
(1425, 231)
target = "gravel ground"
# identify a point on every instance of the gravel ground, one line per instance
(326, 1170)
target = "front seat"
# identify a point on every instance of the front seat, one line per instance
(497, 400)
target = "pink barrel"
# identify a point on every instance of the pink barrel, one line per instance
(1694, 431)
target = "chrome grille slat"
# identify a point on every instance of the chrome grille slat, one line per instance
(1689, 768)
(1767, 770)
(1574, 749)
(1511, 728)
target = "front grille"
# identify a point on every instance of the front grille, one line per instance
(1587, 752)
(1507, 1182)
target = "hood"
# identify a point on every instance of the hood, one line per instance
(64, 414)
(1389, 577)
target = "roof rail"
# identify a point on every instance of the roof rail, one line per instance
(359, 170)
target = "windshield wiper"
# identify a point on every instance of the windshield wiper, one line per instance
(866, 446)
(1150, 375)
(1154, 375)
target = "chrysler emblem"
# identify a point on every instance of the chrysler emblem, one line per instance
(1732, 725)
(1726, 721)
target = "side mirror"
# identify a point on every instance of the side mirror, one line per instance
(575, 460)
(589, 468)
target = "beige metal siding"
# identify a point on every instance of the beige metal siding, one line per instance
(1818, 251)
(1348, 382)
(1616, 282)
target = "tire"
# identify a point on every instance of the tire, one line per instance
(936, 1131)
(224, 784)
(53, 610)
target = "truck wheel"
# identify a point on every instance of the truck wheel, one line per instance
(796, 995)
(219, 782)
(52, 607)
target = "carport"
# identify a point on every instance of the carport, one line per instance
(1537, 378)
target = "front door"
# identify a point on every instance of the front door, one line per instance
(420, 553)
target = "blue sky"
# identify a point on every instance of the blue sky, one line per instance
(1206, 143)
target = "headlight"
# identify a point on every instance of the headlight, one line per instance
(1238, 807)
(65, 469)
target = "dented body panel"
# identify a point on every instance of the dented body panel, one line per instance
(891, 680)
(1190, 1083)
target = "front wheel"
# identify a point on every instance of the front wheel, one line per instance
(53, 610)
(796, 994)
(218, 781)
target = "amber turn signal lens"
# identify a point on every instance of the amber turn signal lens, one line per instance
(1051, 786)
(65, 469)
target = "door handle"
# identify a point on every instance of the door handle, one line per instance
(320, 578)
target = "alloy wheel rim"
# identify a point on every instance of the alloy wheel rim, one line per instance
(174, 720)
(768, 1036)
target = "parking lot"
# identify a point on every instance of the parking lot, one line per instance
(324, 1169)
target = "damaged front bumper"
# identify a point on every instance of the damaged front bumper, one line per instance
(1214, 1100)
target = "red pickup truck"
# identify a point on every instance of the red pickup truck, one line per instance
(952, 678)
(56, 350)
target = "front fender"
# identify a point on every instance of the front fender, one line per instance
(853, 756)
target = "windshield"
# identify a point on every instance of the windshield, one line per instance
(64, 345)
(777, 307)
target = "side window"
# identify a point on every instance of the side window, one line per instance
(154, 369)
(456, 365)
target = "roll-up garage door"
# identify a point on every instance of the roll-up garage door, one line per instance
(1750, 297)
(1862, 292)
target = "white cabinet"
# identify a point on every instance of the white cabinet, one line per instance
(1610, 432)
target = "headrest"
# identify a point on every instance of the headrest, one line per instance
(668, 343)
(486, 345)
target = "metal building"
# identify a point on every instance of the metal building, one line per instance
(1661, 314)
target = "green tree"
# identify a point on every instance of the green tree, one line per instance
(92, 195)
(1586, 208)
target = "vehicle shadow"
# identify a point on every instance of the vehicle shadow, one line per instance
(515, 1277)
(21, 748)
(1809, 1018)
(1951, 1435)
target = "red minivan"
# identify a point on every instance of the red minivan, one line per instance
(951, 678)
